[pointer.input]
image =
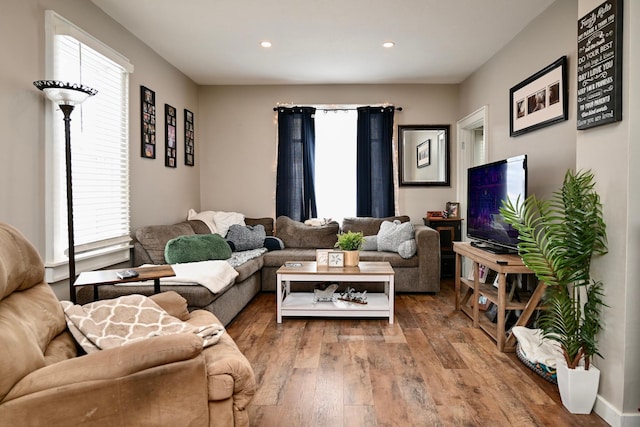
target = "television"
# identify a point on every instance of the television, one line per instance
(487, 186)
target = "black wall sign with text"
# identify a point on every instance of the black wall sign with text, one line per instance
(600, 65)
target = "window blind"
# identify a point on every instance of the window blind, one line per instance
(99, 152)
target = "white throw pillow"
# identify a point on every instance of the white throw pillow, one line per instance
(204, 216)
(224, 220)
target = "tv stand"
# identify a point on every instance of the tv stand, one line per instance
(468, 292)
(494, 249)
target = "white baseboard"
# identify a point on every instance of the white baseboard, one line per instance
(613, 417)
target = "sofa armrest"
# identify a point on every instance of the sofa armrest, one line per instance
(110, 364)
(428, 243)
(173, 303)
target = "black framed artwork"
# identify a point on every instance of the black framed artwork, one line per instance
(148, 121)
(170, 137)
(189, 138)
(600, 66)
(540, 100)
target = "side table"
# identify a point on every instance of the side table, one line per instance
(109, 277)
(450, 230)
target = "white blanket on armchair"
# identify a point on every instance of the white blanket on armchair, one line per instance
(213, 275)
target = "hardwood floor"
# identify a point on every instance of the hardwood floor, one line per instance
(430, 368)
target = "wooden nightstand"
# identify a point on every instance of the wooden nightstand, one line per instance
(450, 230)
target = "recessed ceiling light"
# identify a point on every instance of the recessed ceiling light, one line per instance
(265, 43)
(388, 44)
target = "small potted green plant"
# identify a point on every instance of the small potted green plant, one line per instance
(557, 240)
(351, 243)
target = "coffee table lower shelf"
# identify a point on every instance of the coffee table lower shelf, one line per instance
(301, 304)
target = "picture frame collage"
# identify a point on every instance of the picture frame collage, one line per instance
(148, 123)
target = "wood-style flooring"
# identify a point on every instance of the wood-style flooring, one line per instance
(430, 368)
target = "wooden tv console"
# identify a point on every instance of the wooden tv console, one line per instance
(468, 292)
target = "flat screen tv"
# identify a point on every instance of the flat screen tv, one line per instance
(488, 185)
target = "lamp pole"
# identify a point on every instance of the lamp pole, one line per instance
(67, 96)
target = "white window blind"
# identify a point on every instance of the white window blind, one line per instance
(99, 152)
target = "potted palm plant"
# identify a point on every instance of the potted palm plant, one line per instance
(557, 240)
(351, 243)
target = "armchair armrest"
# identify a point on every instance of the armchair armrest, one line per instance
(428, 243)
(110, 364)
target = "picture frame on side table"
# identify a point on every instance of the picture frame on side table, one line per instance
(453, 210)
(189, 138)
(147, 123)
(170, 146)
(540, 100)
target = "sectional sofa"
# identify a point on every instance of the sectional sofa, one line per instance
(418, 273)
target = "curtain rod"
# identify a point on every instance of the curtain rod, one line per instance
(339, 109)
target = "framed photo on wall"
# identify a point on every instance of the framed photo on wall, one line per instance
(189, 138)
(423, 153)
(540, 100)
(148, 123)
(170, 136)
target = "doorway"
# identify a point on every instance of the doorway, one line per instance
(472, 150)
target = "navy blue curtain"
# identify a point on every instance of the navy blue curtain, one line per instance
(375, 162)
(295, 184)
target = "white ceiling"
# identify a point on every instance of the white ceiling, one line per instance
(217, 42)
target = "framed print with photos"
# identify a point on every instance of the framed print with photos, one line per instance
(540, 100)
(170, 136)
(189, 139)
(148, 123)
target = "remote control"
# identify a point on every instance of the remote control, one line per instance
(127, 274)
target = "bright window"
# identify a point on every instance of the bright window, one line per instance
(336, 136)
(100, 153)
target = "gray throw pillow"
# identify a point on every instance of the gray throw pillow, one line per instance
(392, 234)
(370, 243)
(408, 249)
(246, 237)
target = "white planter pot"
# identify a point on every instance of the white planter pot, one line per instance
(578, 388)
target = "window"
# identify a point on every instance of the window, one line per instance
(336, 134)
(100, 153)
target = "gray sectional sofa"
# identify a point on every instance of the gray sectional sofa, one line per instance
(419, 273)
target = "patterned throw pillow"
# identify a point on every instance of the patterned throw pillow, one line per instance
(246, 237)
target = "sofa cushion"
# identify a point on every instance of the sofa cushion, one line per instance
(368, 226)
(370, 243)
(196, 247)
(273, 243)
(154, 238)
(295, 234)
(246, 237)
(392, 234)
(266, 222)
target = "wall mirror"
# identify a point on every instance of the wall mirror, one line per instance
(423, 155)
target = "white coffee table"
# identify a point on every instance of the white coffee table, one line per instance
(301, 303)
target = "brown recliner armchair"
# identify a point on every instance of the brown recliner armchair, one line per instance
(168, 380)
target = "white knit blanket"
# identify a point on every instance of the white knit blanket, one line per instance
(116, 322)
(213, 275)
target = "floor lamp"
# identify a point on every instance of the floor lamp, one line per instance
(67, 96)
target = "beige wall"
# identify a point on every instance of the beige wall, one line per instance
(238, 147)
(551, 150)
(158, 194)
